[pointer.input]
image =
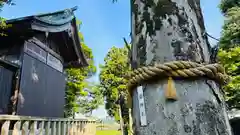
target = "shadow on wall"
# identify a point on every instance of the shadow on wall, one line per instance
(235, 127)
(234, 117)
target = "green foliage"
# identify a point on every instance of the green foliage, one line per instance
(3, 24)
(90, 102)
(3, 2)
(76, 80)
(229, 54)
(231, 60)
(112, 80)
(225, 5)
(231, 29)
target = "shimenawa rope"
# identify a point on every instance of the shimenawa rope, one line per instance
(175, 69)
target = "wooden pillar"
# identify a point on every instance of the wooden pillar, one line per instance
(168, 30)
(15, 97)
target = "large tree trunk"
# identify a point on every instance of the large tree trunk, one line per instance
(167, 30)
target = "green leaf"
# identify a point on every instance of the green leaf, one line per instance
(77, 85)
(112, 79)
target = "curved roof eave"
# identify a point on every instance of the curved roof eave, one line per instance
(77, 46)
(32, 17)
(59, 21)
(54, 22)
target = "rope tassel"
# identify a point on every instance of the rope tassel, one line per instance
(170, 91)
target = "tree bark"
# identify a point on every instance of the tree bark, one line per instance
(167, 30)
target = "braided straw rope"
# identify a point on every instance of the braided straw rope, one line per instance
(177, 69)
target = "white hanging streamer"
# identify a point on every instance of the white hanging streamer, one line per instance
(142, 111)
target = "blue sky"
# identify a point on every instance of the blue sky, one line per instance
(104, 23)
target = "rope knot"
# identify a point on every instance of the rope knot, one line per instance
(179, 69)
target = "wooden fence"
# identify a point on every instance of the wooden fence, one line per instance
(24, 125)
